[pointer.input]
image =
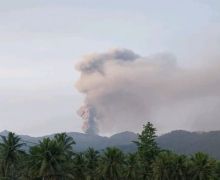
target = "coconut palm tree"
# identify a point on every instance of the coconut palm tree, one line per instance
(66, 143)
(132, 167)
(203, 168)
(111, 164)
(79, 166)
(217, 170)
(47, 159)
(162, 166)
(92, 158)
(10, 152)
(181, 167)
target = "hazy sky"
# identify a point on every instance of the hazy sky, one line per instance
(40, 42)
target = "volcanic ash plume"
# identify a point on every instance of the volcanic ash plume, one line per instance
(124, 90)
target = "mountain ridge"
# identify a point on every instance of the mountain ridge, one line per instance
(179, 141)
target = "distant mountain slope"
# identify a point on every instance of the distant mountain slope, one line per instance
(190, 142)
(182, 142)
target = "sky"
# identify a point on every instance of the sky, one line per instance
(42, 41)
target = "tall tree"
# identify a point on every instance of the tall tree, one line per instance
(147, 149)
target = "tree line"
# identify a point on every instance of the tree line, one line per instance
(55, 159)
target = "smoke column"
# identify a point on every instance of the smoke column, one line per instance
(124, 90)
(88, 115)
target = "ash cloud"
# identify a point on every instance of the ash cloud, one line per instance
(124, 90)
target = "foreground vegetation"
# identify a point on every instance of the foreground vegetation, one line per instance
(55, 159)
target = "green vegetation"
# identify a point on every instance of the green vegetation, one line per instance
(55, 159)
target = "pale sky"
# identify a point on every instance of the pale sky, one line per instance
(40, 42)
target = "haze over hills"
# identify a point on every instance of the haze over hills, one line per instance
(179, 141)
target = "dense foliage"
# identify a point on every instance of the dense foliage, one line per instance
(55, 159)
